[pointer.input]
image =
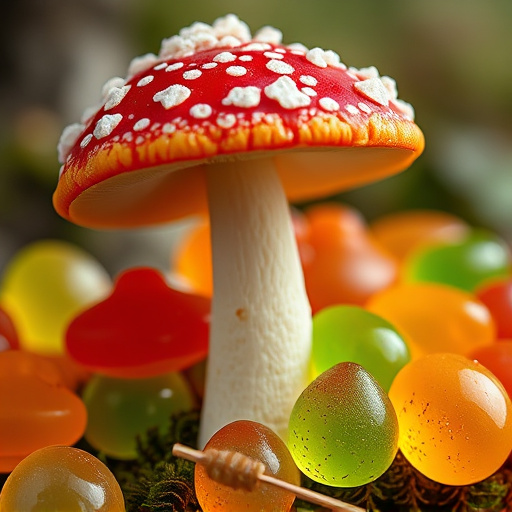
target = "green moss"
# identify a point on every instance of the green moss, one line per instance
(158, 481)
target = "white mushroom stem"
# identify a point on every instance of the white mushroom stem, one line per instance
(260, 332)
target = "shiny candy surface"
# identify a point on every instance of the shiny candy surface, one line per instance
(119, 409)
(467, 264)
(435, 318)
(343, 429)
(497, 296)
(61, 479)
(144, 328)
(37, 409)
(350, 333)
(455, 418)
(345, 265)
(498, 359)
(44, 286)
(260, 443)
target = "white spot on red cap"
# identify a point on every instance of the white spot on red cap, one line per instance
(68, 139)
(280, 67)
(297, 48)
(226, 120)
(141, 124)
(174, 67)
(224, 57)
(141, 63)
(284, 90)
(352, 109)
(308, 80)
(115, 96)
(246, 97)
(316, 56)
(257, 47)
(269, 34)
(172, 96)
(236, 70)
(86, 140)
(309, 91)
(273, 55)
(192, 74)
(245, 58)
(106, 125)
(201, 111)
(110, 84)
(160, 66)
(364, 107)
(209, 65)
(373, 89)
(168, 128)
(405, 108)
(390, 86)
(329, 104)
(145, 81)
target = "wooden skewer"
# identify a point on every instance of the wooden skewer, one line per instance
(221, 463)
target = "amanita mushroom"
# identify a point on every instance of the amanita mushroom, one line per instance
(234, 124)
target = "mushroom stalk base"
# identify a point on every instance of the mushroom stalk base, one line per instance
(260, 333)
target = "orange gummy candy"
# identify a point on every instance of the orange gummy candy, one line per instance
(37, 408)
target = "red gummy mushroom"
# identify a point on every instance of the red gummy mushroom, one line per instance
(143, 329)
(234, 124)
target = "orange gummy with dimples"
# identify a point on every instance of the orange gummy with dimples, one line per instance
(455, 418)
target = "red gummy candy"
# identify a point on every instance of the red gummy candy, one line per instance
(143, 329)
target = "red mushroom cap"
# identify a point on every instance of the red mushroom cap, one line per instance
(144, 328)
(215, 94)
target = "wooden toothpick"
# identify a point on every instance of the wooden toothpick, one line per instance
(238, 470)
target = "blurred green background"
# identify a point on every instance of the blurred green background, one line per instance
(451, 60)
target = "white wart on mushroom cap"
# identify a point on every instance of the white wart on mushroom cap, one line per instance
(213, 93)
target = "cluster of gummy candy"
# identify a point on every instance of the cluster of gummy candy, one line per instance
(402, 309)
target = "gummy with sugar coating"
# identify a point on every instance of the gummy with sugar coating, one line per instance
(43, 288)
(37, 409)
(433, 317)
(257, 442)
(350, 333)
(120, 409)
(455, 418)
(343, 430)
(61, 478)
